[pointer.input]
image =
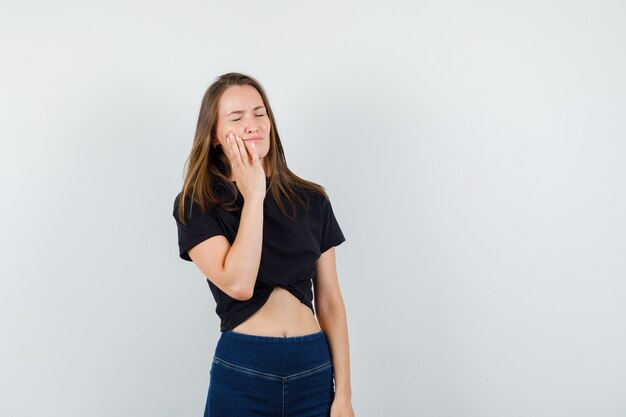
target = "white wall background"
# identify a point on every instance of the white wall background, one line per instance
(475, 154)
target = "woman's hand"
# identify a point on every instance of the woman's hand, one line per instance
(247, 171)
(341, 408)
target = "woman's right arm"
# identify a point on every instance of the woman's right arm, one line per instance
(242, 262)
(234, 268)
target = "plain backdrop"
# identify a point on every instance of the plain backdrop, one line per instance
(474, 152)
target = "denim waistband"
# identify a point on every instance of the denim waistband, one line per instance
(273, 354)
(244, 337)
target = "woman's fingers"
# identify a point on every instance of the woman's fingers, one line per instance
(238, 153)
(234, 146)
(243, 151)
(232, 151)
(255, 153)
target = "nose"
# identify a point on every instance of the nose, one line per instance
(251, 129)
(251, 126)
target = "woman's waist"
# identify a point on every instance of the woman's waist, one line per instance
(282, 315)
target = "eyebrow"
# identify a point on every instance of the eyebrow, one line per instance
(241, 111)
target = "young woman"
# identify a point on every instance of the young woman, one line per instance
(264, 238)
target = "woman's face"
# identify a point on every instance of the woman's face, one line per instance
(241, 111)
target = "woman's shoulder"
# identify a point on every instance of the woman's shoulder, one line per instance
(316, 199)
(314, 193)
(192, 206)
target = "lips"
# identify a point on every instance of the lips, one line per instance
(254, 138)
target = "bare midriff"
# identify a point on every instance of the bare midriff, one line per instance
(282, 315)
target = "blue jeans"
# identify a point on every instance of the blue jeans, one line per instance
(255, 375)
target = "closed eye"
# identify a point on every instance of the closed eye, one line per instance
(258, 115)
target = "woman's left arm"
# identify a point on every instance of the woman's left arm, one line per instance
(331, 315)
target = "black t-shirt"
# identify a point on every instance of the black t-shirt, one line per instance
(289, 252)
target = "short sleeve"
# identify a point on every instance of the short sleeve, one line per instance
(331, 232)
(200, 226)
